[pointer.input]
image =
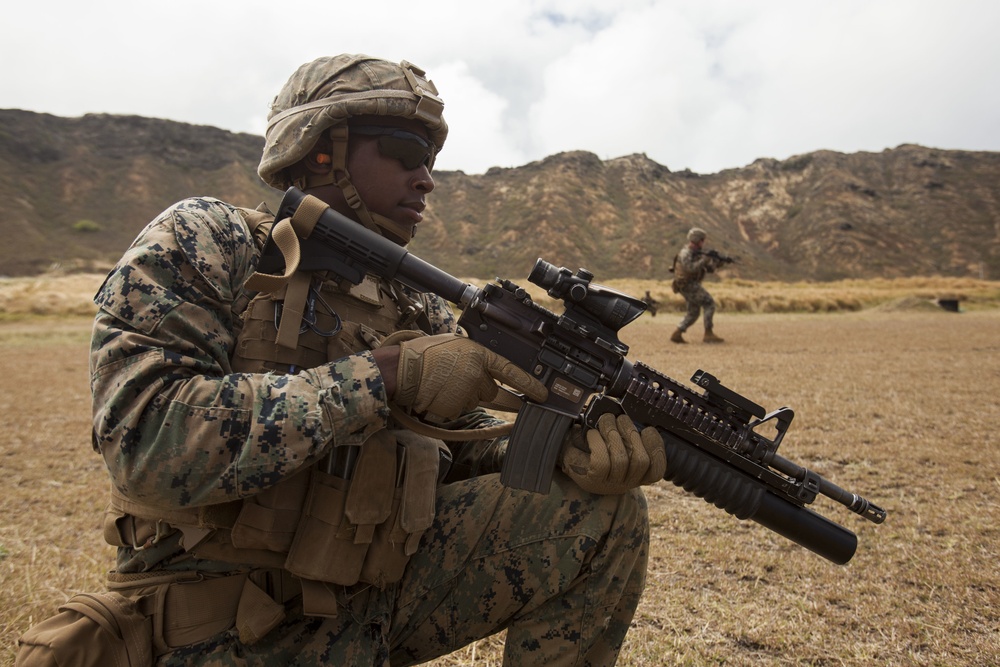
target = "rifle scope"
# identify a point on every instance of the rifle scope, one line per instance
(611, 308)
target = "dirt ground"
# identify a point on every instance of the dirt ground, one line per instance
(900, 407)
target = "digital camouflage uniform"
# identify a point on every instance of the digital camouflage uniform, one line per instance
(225, 466)
(178, 428)
(690, 269)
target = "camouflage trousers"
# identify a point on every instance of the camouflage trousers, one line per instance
(697, 298)
(562, 573)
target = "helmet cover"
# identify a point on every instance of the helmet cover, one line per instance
(328, 91)
(697, 234)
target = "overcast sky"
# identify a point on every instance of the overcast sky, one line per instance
(699, 84)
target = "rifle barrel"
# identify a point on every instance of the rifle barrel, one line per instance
(851, 501)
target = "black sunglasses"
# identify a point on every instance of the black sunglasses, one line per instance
(410, 149)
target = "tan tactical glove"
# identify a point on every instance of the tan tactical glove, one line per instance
(447, 375)
(614, 457)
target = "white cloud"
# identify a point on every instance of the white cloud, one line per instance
(637, 86)
(480, 142)
(707, 85)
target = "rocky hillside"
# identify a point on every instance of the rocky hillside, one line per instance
(77, 190)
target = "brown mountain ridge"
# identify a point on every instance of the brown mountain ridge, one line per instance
(76, 191)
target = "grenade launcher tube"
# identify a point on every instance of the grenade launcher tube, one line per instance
(715, 482)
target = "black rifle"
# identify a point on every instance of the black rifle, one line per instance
(717, 256)
(712, 445)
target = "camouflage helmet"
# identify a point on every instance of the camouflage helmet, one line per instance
(697, 234)
(329, 90)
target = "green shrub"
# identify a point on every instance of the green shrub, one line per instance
(86, 226)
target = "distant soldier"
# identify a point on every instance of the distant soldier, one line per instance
(690, 267)
(651, 303)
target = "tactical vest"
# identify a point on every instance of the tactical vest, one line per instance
(683, 277)
(358, 514)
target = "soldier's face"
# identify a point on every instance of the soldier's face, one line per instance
(385, 176)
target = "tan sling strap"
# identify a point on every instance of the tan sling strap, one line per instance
(286, 234)
(284, 237)
(505, 401)
(293, 309)
(406, 420)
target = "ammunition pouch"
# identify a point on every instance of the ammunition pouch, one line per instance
(366, 528)
(147, 615)
(342, 521)
(90, 630)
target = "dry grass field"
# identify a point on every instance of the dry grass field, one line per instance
(895, 399)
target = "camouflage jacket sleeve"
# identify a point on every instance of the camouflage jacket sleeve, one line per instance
(175, 425)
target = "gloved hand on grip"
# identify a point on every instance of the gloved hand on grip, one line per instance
(614, 457)
(447, 375)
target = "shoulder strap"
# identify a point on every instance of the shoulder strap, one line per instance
(286, 234)
(259, 220)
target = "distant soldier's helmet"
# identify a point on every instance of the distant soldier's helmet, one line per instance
(697, 234)
(322, 95)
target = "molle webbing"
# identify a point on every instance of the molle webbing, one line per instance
(344, 320)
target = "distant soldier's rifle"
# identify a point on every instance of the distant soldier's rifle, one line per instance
(717, 256)
(713, 448)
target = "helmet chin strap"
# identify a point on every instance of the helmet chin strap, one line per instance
(392, 230)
